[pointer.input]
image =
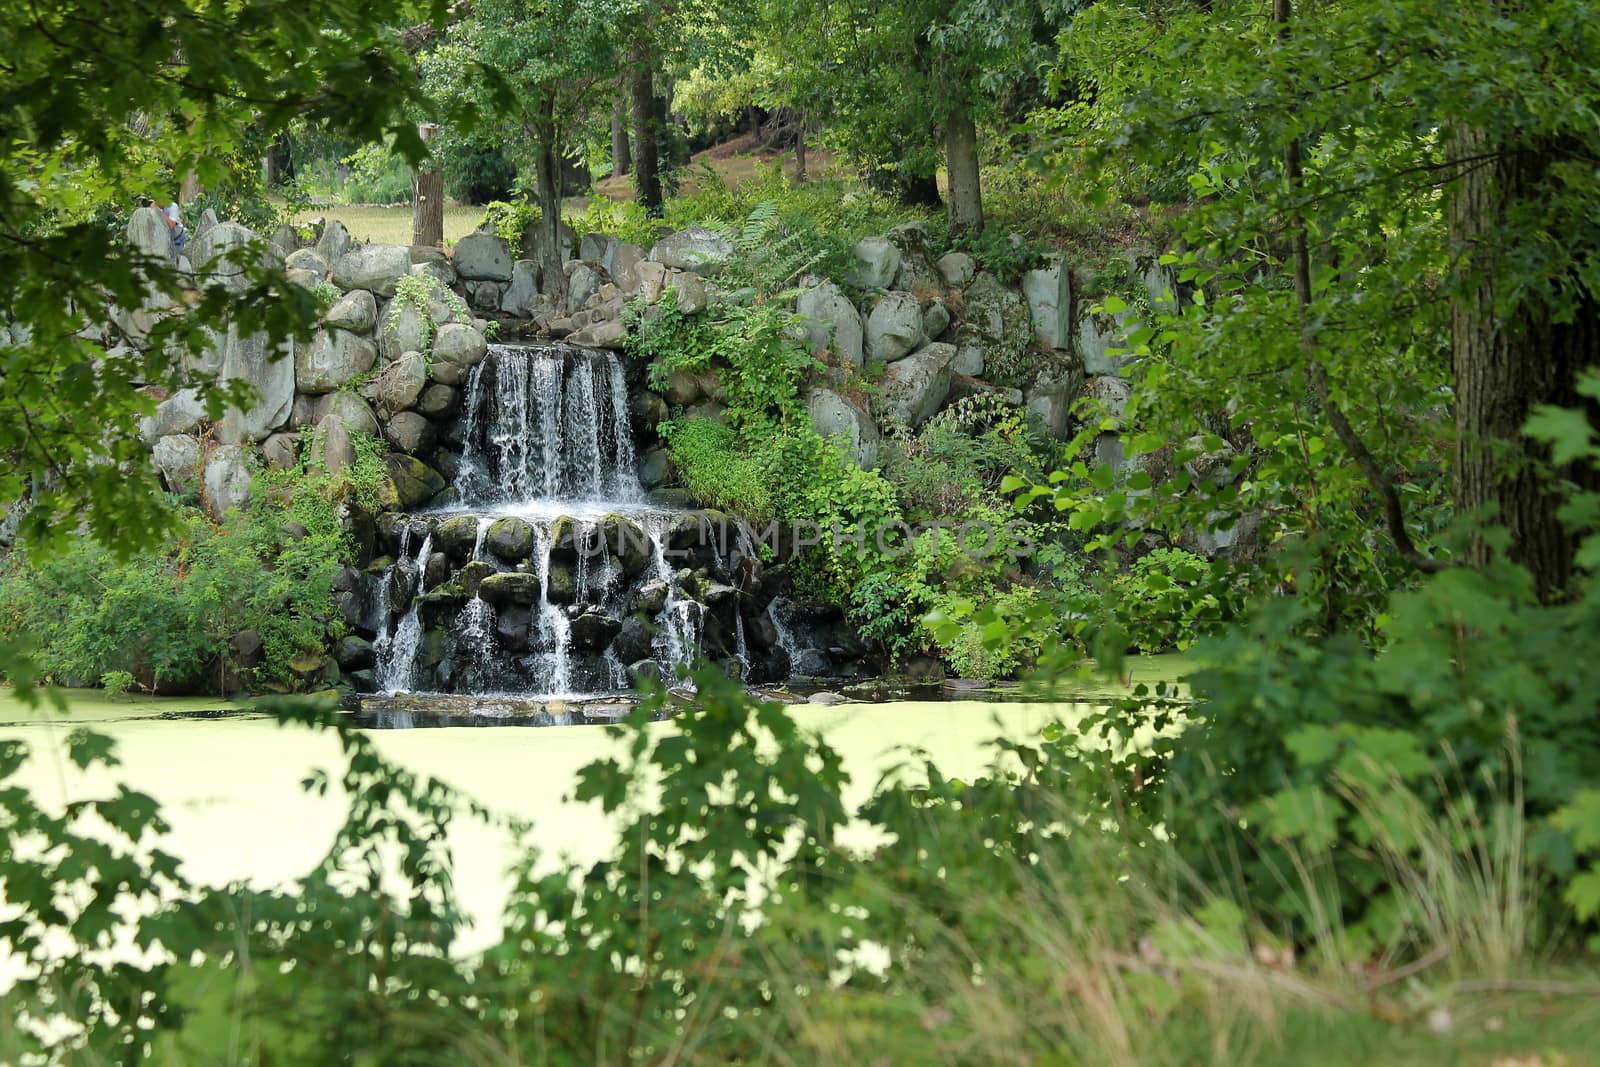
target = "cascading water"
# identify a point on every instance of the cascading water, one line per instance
(559, 576)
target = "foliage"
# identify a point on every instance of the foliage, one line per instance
(422, 293)
(480, 175)
(376, 176)
(1163, 600)
(511, 219)
(715, 470)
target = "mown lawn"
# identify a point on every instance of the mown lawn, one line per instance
(381, 224)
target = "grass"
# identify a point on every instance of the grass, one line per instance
(391, 225)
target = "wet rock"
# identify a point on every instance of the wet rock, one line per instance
(627, 541)
(457, 536)
(645, 670)
(410, 433)
(437, 571)
(414, 482)
(656, 468)
(439, 401)
(593, 631)
(510, 539)
(510, 588)
(633, 640)
(513, 626)
(651, 597)
(562, 588)
(472, 576)
(354, 654)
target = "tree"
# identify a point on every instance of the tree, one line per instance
(104, 102)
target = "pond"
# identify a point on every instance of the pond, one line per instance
(229, 780)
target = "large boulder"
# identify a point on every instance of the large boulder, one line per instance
(456, 350)
(270, 373)
(410, 433)
(524, 287)
(415, 483)
(306, 259)
(832, 323)
(956, 268)
(877, 261)
(997, 328)
(1049, 294)
(334, 242)
(483, 255)
(622, 264)
(1095, 337)
(439, 270)
(515, 587)
(582, 283)
(894, 326)
(375, 268)
(331, 360)
(355, 412)
(177, 458)
(401, 383)
(227, 479)
(698, 249)
(332, 447)
(1052, 395)
(180, 413)
(149, 235)
(836, 417)
(913, 388)
(510, 538)
(917, 273)
(216, 257)
(356, 311)
(405, 328)
(594, 247)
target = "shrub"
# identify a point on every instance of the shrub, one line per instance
(713, 468)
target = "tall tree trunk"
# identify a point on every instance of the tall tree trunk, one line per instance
(621, 157)
(646, 164)
(961, 162)
(1508, 360)
(280, 160)
(427, 210)
(800, 150)
(547, 178)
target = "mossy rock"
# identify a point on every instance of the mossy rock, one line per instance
(510, 538)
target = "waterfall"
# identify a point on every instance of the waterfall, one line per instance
(778, 611)
(397, 656)
(547, 423)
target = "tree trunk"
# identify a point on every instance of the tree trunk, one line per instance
(280, 160)
(427, 210)
(547, 178)
(190, 189)
(1508, 360)
(961, 162)
(621, 158)
(646, 163)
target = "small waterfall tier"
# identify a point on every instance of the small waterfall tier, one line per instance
(552, 573)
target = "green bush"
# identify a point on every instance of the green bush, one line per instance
(715, 470)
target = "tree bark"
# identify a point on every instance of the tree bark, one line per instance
(646, 163)
(961, 163)
(280, 160)
(547, 179)
(1510, 359)
(427, 210)
(621, 157)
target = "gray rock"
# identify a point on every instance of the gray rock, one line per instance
(913, 388)
(582, 283)
(401, 383)
(651, 597)
(935, 320)
(414, 482)
(438, 401)
(438, 269)
(969, 357)
(594, 247)
(656, 468)
(180, 413)
(227, 479)
(410, 433)
(356, 311)
(632, 642)
(1094, 338)
(827, 698)
(894, 326)
(691, 292)
(177, 458)
(652, 281)
(404, 329)
(483, 255)
(698, 249)
(832, 323)
(334, 242)
(214, 256)
(836, 417)
(957, 269)
(375, 268)
(284, 240)
(997, 328)
(353, 410)
(331, 446)
(456, 350)
(916, 274)
(1049, 294)
(1159, 281)
(305, 279)
(208, 219)
(331, 360)
(610, 334)
(524, 287)
(306, 259)
(877, 262)
(622, 264)
(149, 235)
(1112, 393)
(1051, 398)
(509, 538)
(281, 451)
(271, 375)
